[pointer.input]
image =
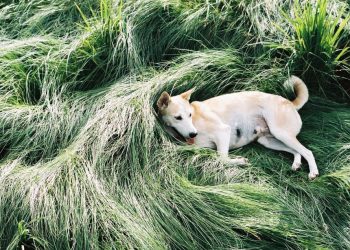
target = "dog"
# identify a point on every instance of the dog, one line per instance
(233, 120)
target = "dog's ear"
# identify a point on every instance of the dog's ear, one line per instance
(187, 95)
(163, 100)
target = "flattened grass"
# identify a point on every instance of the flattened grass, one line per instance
(85, 160)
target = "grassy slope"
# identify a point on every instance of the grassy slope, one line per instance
(86, 164)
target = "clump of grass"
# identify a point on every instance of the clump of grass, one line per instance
(24, 65)
(316, 51)
(98, 54)
(22, 19)
(24, 239)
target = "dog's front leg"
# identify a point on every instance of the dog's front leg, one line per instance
(222, 141)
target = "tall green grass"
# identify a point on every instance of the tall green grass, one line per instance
(317, 45)
(22, 18)
(86, 162)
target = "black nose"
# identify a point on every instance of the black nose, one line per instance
(192, 135)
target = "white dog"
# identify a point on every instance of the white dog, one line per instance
(234, 120)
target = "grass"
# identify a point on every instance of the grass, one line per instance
(86, 162)
(317, 43)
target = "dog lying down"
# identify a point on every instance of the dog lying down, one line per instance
(234, 120)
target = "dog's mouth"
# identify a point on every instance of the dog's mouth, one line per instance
(180, 137)
(190, 141)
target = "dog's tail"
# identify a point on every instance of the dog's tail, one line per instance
(300, 90)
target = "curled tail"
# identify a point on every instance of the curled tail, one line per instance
(300, 90)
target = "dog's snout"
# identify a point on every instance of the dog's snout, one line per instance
(192, 135)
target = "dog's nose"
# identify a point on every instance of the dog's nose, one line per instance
(192, 135)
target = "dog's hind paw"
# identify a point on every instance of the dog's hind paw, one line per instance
(313, 175)
(296, 166)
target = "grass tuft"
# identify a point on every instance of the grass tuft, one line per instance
(318, 53)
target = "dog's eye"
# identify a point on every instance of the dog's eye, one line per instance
(190, 114)
(178, 117)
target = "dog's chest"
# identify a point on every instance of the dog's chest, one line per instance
(205, 137)
(204, 140)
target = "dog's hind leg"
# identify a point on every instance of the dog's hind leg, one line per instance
(284, 123)
(292, 142)
(271, 142)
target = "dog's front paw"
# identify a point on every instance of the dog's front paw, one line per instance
(313, 174)
(239, 161)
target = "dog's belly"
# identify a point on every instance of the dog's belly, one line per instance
(243, 131)
(241, 138)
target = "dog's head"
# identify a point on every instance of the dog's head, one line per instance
(176, 112)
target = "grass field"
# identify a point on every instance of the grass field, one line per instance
(85, 162)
